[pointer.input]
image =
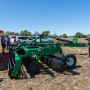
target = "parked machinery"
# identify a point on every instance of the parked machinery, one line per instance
(30, 53)
(73, 43)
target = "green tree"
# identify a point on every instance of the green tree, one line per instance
(64, 35)
(80, 35)
(16, 33)
(11, 33)
(25, 33)
(46, 33)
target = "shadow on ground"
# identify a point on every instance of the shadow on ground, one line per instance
(4, 61)
(71, 71)
(47, 70)
(83, 54)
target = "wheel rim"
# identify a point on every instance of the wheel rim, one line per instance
(70, 61)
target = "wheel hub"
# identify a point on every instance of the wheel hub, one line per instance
(70, 61)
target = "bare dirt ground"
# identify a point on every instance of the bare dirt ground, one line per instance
(77, 79)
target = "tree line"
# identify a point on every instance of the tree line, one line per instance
(78, 35)
(27, 33)
(46, 33)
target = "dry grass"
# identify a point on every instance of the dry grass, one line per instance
(77, 79)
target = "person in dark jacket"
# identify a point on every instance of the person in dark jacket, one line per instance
(3, 43)
(89, 47)
(8, 42)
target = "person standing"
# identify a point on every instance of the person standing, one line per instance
(3, 43)
(89, 47)
(8, 42)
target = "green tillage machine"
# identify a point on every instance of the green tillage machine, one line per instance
(73, 43)
(50, 54)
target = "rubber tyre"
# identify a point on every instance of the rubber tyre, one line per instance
(70, 61)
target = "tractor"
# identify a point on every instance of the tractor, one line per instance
(29, 54)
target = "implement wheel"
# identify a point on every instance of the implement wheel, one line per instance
(70, 61)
